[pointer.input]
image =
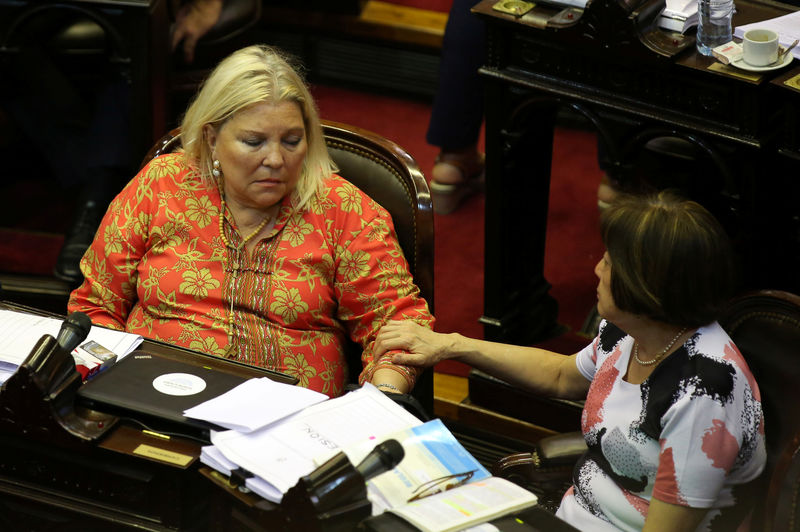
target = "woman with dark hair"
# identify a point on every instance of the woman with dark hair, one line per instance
(672, 417)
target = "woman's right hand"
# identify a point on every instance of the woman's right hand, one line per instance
(418, 345)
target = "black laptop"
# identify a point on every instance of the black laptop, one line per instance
(154, 390)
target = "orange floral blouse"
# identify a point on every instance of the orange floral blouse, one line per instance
(158, 267)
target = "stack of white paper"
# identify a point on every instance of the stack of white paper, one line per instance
(437, 485)
(581, 4)
(278, 454)
(679, 15)
(255, 404)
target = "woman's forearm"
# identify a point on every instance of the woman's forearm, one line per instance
(541, 371)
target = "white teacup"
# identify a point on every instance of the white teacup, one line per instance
(760, 47)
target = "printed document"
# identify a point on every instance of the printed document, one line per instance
(434, 461)
(467, 505)
(284, 451)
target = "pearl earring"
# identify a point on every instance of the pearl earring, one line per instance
(215, 171)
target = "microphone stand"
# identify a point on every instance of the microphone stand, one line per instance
(38, 400)
(333, 498)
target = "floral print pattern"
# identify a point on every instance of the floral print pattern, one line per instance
(322, 278)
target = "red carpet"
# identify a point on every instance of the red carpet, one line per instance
(16, 246)
(573, 245)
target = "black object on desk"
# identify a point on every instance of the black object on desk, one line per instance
(155, 390)
(66, 466)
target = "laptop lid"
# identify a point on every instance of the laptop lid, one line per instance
(153, 390)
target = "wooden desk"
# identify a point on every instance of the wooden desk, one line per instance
(453, 403)
(63, 466)
(66, 466)
(634, 83)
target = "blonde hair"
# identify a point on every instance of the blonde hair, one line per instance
(249, 76)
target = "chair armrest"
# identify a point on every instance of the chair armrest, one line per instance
(547, 469)
(561, 449)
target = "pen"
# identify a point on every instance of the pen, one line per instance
(155, 434)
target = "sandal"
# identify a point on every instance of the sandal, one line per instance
(448, 196)
(607, 191)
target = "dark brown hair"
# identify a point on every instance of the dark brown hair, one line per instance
(671, 260)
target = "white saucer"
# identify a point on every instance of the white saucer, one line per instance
(739, 63)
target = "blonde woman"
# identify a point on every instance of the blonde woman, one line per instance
(247, 245)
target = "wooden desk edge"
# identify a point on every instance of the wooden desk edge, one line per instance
(451, 402)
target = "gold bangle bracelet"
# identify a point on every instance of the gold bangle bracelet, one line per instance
(387, 385)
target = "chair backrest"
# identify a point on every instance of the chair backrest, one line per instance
(765, 325)
(388, 174)
(68, 30)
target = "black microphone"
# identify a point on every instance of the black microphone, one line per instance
(51, 359)
(73, 331)
(334, 495)
(382, 458)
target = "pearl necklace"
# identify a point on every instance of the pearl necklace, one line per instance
(660, 355)
(257, 230)
(237, 249)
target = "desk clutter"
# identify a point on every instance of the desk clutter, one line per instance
(432, 482)
(679, 15)
(20, 330)
(762, 46)
(786, 26)
(314, 463)
(154, 391)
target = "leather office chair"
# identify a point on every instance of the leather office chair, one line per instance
(389, 175)
(765, 325)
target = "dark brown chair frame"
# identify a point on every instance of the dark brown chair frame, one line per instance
(388, 174)
(765, 325)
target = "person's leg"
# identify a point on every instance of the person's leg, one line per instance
(79, 123)
(457, 112)
(608, 188)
